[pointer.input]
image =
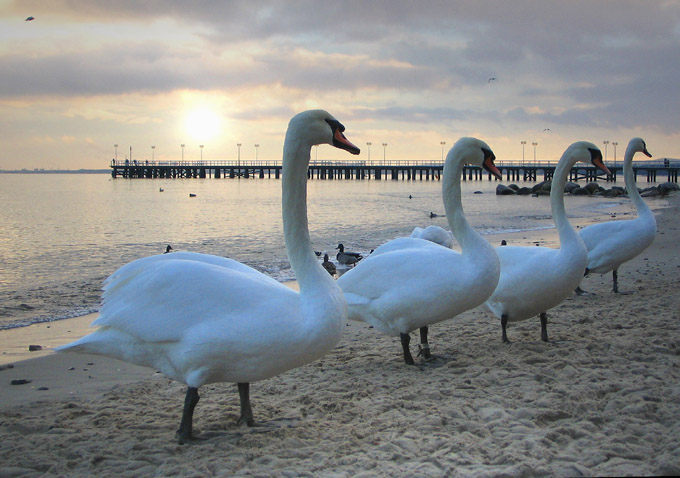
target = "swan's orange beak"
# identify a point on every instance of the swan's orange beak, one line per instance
(600, 165)
(489, 165)
(339, 141)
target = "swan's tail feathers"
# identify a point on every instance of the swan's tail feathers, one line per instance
(104, 341)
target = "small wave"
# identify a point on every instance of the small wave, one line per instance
(51, 318)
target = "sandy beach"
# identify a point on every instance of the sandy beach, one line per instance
(601, 399)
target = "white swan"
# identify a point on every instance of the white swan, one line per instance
(410, 283)
(435, 234)
(202, 319)
(612, 243)
(535, 279)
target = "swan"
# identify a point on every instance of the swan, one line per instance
(202, 319)
(410, 283)
(347, 258)
(612, 243)
(328, 265)
(435, 234)
(535, 279)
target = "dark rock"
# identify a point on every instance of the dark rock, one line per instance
(524, 191)
(570, 186)
(34, 348)
(580, 192)
(514, 187)
(502, 190)
(612, 193)
(649, 192)
(21, 381)
(478, 192)
(3, 367)
(42, 388)
(666, 188)
(592, 187)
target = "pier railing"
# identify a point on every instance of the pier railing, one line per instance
(655, 163)
(393, 169)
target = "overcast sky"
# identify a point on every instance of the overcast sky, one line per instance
(85, 75)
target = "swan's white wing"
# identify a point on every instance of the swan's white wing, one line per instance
(612, 243)
(176, 293)
(434, 234)
(533, 280)
(401, 290)
(403, 243)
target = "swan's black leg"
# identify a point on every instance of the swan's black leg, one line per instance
(544, 327)
(580, 291)
(615, 277)
(424, 344)
(186, 425)
(504, 325)
(405, 340)
(246, 412)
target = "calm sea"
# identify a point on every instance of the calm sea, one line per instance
(63, 234)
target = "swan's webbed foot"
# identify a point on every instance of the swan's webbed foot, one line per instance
(580, 291)
(246, 417)
(424, 347)
(405, 340)
(544, 327)
(185, 432)
(504, 326)
(424, 351)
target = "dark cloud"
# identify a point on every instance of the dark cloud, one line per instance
(619, 56)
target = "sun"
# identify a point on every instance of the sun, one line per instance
(202, 124)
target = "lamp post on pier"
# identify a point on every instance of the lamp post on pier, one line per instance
(615, 143)
(523, 143)
(534, 145)
(238, 156)
(605, 150)
(384, 145)
(201, 146)
(442, 143)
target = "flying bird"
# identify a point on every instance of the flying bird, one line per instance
(30, 19)
(493, 78)
(546, 129)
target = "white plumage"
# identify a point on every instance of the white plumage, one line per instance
(535, 279)
(435, 234)
(410, 283)
(201, 319)
(612, 243)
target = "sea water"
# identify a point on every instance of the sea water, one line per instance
(63, 234)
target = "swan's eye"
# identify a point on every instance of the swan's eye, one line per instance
(595, 154)
(488, 154)
(335, 125)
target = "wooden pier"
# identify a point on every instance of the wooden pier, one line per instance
(363, 170)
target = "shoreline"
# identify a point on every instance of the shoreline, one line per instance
(15, 341)
(600, 399)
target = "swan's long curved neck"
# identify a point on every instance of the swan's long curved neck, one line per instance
(311, 276)
(568, 236)
(467, 237)
(631, 186)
